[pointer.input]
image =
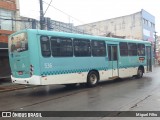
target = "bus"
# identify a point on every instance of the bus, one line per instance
(41, 57)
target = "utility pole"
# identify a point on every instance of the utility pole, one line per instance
(42, 20)
(155, 43)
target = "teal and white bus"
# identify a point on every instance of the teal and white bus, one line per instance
(41, 57)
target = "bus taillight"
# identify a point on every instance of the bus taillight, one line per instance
(20, 72)
(31, 70)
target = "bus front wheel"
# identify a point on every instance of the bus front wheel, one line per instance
(92, 79)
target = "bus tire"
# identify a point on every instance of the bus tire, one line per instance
(92, 79)
(140, 73)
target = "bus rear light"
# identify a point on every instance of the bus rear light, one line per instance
(20, 72)
(31, 70)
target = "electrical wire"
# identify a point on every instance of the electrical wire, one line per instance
(47, 7)
(73, 17)
(63, 12)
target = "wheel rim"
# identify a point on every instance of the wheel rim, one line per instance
(93, 79)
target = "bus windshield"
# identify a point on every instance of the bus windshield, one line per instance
(18, 43)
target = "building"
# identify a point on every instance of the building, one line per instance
(64, 27)
(7, 13)
(11, 21)
(7, 26)
(140, 25)
(158, 48)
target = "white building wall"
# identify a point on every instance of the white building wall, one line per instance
(129, 26)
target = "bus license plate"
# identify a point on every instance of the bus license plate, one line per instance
(20, 72)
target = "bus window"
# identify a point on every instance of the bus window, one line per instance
(98, 48)
(61, 47)
(114, 50)
(18, 43)
(141, 50)
(112, 53)
(45, 46)
(123, 49)
(82, 47)
(109, 53)
(132, 49)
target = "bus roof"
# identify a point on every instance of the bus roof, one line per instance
(80, 36)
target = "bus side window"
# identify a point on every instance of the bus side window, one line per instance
(141, 50)
(45, 46)
(61, 47)
(82, 47)
(109, 53)
(132, 49)
(98, 48)
(123, 48)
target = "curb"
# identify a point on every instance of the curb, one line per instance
(13, 87)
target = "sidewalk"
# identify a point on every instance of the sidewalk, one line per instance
(7, 85)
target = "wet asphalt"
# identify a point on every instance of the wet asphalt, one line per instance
(128, 94)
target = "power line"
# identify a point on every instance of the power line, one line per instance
(73, 17)
(62, 11)
(47, 7)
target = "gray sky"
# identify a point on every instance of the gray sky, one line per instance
(86, 11)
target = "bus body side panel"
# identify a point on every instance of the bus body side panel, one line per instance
(128, 66)
(69, 70)
(63, 70)
(34, 58)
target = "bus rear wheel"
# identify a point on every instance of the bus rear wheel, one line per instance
(92, 79)
(139, 73)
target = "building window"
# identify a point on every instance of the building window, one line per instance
(146, 22)
(152, 25)
(149, 24)
(143, 21)
(6, 24)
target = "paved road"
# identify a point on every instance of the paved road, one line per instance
(124, 95)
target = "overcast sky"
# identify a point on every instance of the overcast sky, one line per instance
(86, 11)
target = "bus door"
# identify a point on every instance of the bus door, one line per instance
(149, 58)
(113, 59)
